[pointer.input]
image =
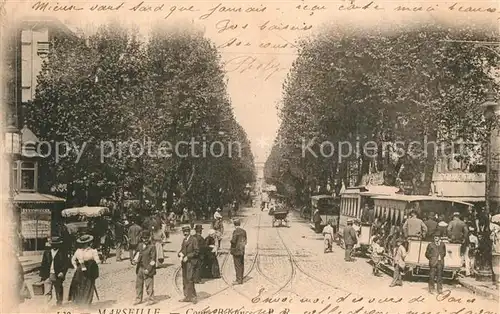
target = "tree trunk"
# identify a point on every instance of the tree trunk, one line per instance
(430, 162)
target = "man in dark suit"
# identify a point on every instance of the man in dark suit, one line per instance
(146, 269)
(134, 237)
(53, 269)
(435, 253)
(202, 252)
(350, 239)
(189, 257)
(431, 225)
(238, 243)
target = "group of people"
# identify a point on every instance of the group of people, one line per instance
(198, 257)
(55, 265)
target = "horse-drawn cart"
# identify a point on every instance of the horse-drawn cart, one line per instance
(281, 217)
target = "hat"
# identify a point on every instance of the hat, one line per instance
(399, 240)
(437, 234)
(55, 240)
(86, 238)
(211, 231)
(198, 227)
(413, 211)
(236, 222)
(218, 209)
(145, 234)
(186, 228)
(471, 228)
(456, 214)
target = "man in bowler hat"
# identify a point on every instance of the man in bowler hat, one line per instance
(202, 252)
(145, 269)
(238, 243)
(53, 269)
(189, 257)
(350, 239)
(435, 253)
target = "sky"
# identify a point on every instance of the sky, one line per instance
(245, 34)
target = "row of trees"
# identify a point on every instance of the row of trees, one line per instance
(361, 85)
(116, 93)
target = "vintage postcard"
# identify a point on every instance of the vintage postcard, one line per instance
(250, 157)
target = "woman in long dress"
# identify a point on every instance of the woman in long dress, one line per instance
(85, 261)
(158, 240)
(211, 268)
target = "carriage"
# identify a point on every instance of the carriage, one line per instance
(353, 201)
(324, 208)
(393, 210)
(280, 216)
(94, 220)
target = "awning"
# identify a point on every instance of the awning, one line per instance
(30, 198)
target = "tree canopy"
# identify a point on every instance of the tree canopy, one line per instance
(420, 84)
(139, 107)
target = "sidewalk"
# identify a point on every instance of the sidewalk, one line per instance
(485, 289)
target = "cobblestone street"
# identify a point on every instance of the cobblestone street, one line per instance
(285, 267)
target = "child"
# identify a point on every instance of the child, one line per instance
(146, 268)
(328, 236)
(377, 251)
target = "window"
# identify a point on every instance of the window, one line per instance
(28, 176)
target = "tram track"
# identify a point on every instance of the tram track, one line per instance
(302, 271)
(224, 279)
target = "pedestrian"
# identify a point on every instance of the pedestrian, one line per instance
(158, 239)
(350, 239)
(377, 255)
(134, 234)
(218, 226)
(85, 261)
(202, 249)
(119, 239)
(192, 218)
(53, 269)
(238, 243)
(211, 267)
(470, 260)
(435, 253)
(399, 255)
(328, 234)
(145, 269)
(188, 254)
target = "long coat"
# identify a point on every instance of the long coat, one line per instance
(61, 263)
(190, 249)
(433, 251)
(147, 259)
(350, 237)
(134, 234)
(238, 242)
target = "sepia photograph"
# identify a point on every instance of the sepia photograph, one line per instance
(250, 157)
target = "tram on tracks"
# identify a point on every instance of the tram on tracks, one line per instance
(352, 203)
(323, 209)
(393, 209)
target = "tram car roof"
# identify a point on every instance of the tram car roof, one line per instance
(372, 190)
(416, 198)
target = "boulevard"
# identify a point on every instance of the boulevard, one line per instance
(285, 271)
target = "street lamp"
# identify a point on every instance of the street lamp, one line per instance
(13, 148)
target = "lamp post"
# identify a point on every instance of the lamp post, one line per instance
(13, 145)
(492, 189)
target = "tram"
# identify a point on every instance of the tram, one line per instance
(323, 209)
(394, 208)
(352, 202)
